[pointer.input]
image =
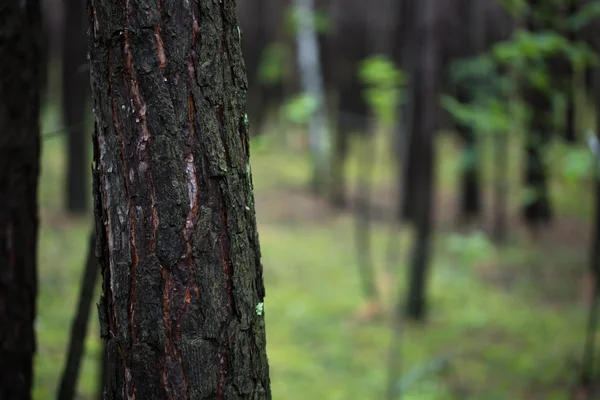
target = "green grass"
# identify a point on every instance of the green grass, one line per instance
(511, 316)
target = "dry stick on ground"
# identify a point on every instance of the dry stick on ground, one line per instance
(68, 383)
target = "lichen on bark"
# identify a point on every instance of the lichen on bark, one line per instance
(174, 206)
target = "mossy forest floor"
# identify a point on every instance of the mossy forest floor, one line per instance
(509, 321)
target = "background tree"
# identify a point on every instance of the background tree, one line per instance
(21, 75)
(310, 73)
(75, 92)
(182, 302)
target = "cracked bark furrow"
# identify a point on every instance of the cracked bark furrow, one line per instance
(174, 203)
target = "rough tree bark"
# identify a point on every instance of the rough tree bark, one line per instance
(21, 75)
(181, 308)
(75, 91)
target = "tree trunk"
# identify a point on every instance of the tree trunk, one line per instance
(312, 84)
(21, 76)
(182, 302)
(79, 327)
(537, 210)
(426, 86)
(470, 205)
(587, 373)
(75, 90)
(500, 142)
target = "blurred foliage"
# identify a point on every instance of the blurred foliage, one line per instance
(529, 51)
(515, 7)
(587, 13)
(322, 21)
(492, 80)
(383, 80)
(315, 348)
(299, 108)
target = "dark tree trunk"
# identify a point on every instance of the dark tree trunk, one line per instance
(75, 91)
(570, 131)
(411, 181)
(424, 128)
(470, 204)
(181, 308)
(537, 210)
(426, 77)
(500, 187)
(587, 373)
(470, 201)
(21, 76)
(68, 384)
(345, 47)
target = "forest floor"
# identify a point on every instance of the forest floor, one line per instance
(506, 322)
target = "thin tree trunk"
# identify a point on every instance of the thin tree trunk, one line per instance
(426, 91)
(537, 210)
(470, 205)
(182, 303)
(21, 76)
(70, 376)
(363, 221)
(312, 82)
(587, 376)
(500, 142)
(75, 91)
(570, 124)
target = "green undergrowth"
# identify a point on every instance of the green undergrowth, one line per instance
(502, 324)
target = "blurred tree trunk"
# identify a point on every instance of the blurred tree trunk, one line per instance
(21, 77)
(500, 189)
(79, 326)
(346, 46)
(75, 91)
(181, 308)
(470, 202)
(312, 84)
(537, 209)
(588, 377)
(470, 206)
(426, 78)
